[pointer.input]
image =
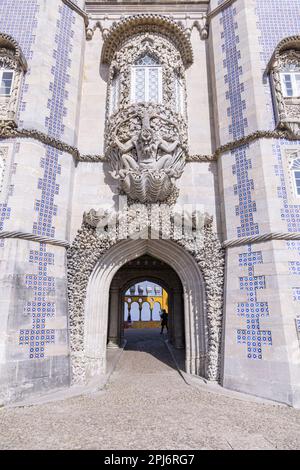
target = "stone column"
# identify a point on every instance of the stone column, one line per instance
(113, 326)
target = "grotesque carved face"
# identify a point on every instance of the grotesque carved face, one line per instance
(146, 136)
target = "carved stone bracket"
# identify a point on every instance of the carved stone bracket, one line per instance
(202, 25)
(146, 147)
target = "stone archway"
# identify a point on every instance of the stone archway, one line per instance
(93, 260)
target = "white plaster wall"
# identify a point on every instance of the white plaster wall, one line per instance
(39, 75)
(93, 100)
(198, 106)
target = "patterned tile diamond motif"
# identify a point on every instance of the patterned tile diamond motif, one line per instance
(237, 122)
(42, 285)
(278, 19)
(39, 309)
(252, 310)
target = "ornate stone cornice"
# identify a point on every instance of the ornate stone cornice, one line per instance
(8, 130)
(135, 24)
(284, 236)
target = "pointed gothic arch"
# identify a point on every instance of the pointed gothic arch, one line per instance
(95, 258)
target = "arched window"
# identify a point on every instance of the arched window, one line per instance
(12, 68)
(6, 81)
(284, 69)
(291, 84)
(146, 80)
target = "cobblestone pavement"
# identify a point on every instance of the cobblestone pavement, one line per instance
(147, 405)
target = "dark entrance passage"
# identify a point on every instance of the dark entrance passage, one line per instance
(128, 287)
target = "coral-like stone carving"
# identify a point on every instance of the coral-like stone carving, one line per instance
(98, 234)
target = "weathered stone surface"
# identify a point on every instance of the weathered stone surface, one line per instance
(147, 405)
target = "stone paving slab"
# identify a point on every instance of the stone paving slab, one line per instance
(147, 405)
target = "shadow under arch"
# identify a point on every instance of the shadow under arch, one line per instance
(97, 301)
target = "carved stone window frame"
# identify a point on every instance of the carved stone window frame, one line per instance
(180, 93)
(287, 109)
(154, 44)
(147, 130)
(11, 58)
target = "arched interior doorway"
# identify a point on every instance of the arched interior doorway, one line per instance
(143, 268)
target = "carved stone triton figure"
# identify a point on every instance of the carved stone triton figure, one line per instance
(146, 153)
(146, 144)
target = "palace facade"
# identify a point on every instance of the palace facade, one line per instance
(153, 141)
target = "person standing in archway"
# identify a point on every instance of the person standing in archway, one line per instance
(164, 321)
